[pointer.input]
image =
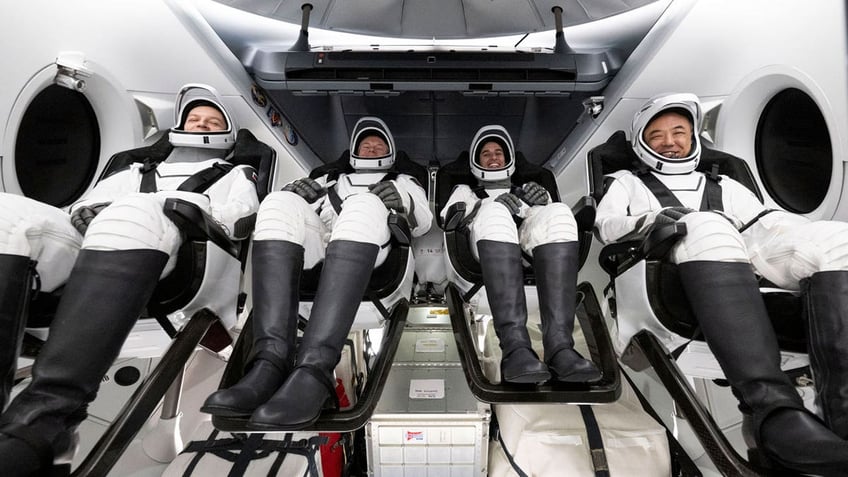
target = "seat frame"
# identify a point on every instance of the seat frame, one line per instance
(468, 280)
(387, 296)
(204, 239)
(657, 322)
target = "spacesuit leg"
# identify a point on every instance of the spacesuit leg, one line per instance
(106, 291)
(32, 234)
(549, 233)
(724, 295)
(816, 255)
(285, 225)
(494, 235)
(352, 253)
(15, 294)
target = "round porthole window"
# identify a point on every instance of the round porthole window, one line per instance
(793, 151)
(57, 147)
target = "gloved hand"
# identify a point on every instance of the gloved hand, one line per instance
(534, 194)
(669, 215)
(83, 216)
(388, 193)
(511, 202)
(307, 188)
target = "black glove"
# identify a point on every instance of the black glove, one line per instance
(511, 202)
(306, 188)
(388, 193)
(534, 194)
(669, 215)
(83, 216)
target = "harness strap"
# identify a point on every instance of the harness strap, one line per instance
(242, 451)
(681, 463)
(202, 180)
(336, 201)
(710, 200)
(755, 219)
(596, 442)
(148, 176)
(197, 182)
(497, 431)
(660, 191)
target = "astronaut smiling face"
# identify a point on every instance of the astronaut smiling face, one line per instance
(670, 135)
(492, 156)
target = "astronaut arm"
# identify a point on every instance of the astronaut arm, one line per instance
(111, 188)
(460, 193)
(415, 203)
(740, 204)
(233, 202)
(614, 222)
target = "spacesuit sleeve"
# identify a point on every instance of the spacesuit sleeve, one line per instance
(111, 188)
(460, 193)
(415, 202)
(618, 218)
(740, 204)
(233, 201)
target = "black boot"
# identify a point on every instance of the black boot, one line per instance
(344, 278)
(500, 263)
(826, 309)
(15, 292)
(726, 301)
(106, 292)
(277, 266)
(556, 283)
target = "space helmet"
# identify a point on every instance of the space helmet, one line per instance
(371, 126)
(683, 103)
(189, 97)
(499, 135)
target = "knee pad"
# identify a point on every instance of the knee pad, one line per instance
(286, 216)
(493, 222)
(136, 221)
(363, 219)
(711, 237)
(551, 223)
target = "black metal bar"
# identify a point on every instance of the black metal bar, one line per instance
(357, 416)
(606, 390)
(143, 402)
(716, 445)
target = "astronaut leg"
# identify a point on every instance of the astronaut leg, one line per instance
(552, 233)
(496, 239)
(15, 294)
(351, 256)
(724, 295)
(826, 308)
(106, 291)
(285, 223)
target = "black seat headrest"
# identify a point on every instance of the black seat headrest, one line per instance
(403, 165)
(247, 151)
(459, 172)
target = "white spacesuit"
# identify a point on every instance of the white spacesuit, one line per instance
(548, 233)
(728, 230)
(110, 253)
(340, 218)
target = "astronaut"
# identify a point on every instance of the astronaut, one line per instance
(548, 233)
(110, 252)
(340, 219)
(728, 232)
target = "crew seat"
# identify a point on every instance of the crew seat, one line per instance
(196, 304)
(654, 324)
(385, 305)
(467, 299)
